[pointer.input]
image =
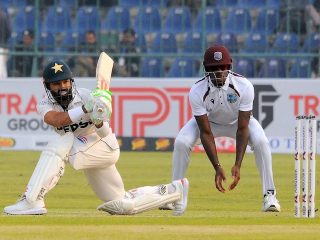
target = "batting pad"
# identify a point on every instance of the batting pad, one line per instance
(148, 200)
(50, 167)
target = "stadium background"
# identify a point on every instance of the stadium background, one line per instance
(210, 215)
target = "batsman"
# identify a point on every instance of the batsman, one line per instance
(84, 139)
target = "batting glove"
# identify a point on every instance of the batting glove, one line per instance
(88, 106)
(102, 108)
(95, 95)
(98, 93)
(96, 121)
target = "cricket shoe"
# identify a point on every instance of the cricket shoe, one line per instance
(118, 207)
(123, 206)
(270, 202)
(23, 207)
(180, 205)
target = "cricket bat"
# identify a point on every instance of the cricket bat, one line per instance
(103, 73)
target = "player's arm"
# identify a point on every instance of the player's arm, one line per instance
(60, 119)
(242, 138)
(57, 119)
(207, 140)
(209, 145)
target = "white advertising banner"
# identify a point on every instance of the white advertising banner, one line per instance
(155, 108)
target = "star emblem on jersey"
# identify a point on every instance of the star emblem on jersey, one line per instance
(217, 56)
(57, 67)
(232, 98)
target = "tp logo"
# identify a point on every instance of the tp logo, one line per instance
(265, 97)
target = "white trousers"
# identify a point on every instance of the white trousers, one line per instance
(189, 136)
(97, 159)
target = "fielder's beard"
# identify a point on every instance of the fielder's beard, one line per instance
(218, 78)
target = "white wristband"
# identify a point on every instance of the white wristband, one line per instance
(76, 114)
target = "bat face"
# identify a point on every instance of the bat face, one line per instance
(104, 71)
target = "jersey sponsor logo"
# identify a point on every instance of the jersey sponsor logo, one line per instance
(232, 98)
(73, 127)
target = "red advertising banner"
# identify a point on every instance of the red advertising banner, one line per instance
(156, 109)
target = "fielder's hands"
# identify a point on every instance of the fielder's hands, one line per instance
(235, 172)
(220, 176)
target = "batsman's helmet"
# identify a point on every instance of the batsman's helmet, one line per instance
(55, 71)
(217, 63)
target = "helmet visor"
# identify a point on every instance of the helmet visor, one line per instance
(217, 74)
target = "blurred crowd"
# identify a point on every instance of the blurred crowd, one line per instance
(148, 43)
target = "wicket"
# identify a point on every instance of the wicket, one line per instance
(305, 147)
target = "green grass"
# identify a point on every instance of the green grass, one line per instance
(210, 214)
